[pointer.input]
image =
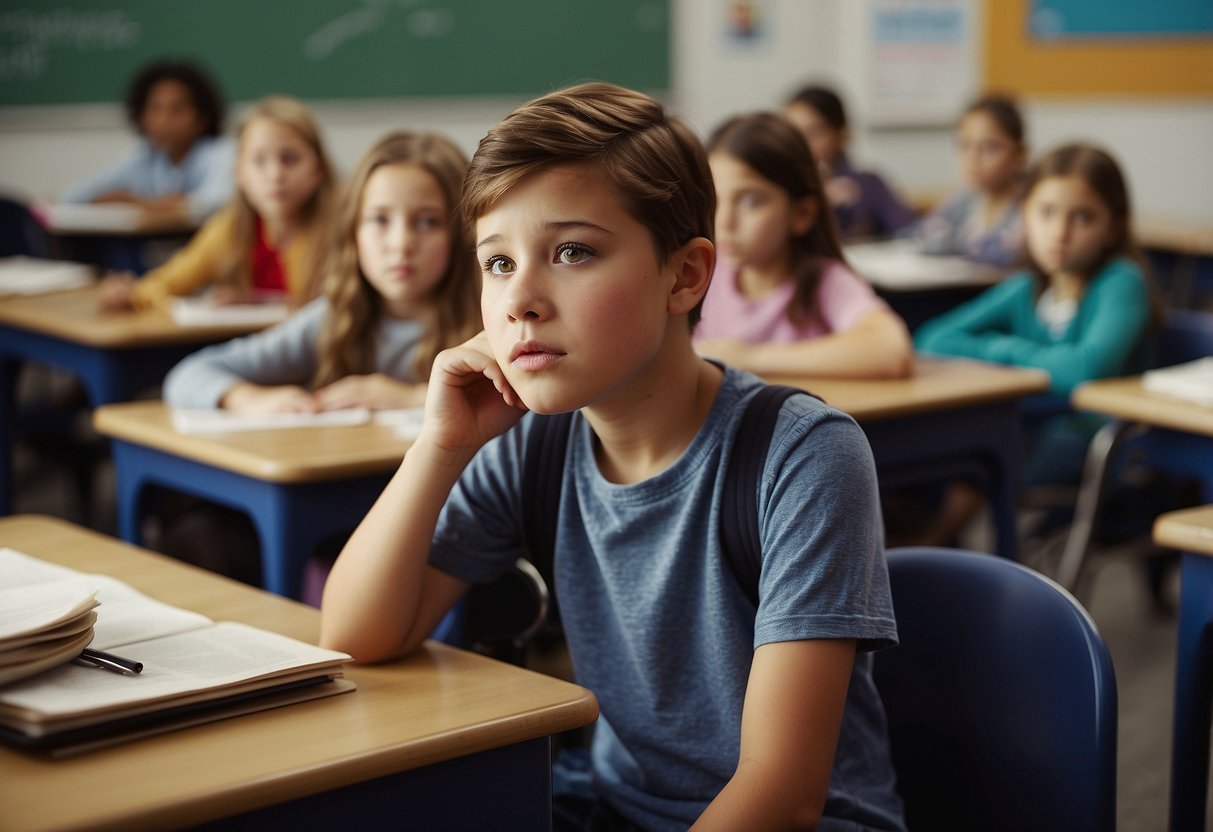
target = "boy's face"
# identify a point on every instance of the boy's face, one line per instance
(574, 299)
(169, 119)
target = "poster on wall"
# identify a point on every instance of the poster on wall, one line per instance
(1083, 19)
(920, 67)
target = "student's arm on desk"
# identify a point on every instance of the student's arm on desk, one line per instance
(192, 267)
(793, 710)
(1116, 310)
(382, 598)
(878, 346)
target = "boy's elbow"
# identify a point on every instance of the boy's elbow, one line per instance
(364, 648)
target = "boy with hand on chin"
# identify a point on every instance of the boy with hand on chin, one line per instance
(592, 213)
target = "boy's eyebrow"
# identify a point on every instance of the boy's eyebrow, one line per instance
(561, 225)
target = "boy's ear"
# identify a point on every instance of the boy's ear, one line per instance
(692, 264)
(805, 212)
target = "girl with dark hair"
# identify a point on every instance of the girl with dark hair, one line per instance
(983, 221)
(864, 205)
(782, 299)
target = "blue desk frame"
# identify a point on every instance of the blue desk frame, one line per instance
(109, 375)
(291, 519)
(979, 441)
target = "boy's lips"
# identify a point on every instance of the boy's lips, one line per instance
(534, 355)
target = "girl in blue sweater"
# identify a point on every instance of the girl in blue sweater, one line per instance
(1082, 310)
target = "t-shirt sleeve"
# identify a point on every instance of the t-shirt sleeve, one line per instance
(479, 532)
(844, 298)
(824, 574)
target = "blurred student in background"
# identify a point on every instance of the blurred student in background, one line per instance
(983, 221)
(1082, 310)
(401, 286)
(864, 205)
(269, 239)
(782, 299)
(182, 163)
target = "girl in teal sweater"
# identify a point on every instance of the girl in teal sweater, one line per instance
(1083, 310)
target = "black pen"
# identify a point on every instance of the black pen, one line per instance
(108, 661)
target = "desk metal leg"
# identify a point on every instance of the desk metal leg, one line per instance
(1097, 473)
(1193, 690)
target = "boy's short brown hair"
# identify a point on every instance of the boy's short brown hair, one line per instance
(656, 163)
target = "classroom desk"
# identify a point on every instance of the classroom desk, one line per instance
(951, 418)
(115, 355)
(1181, 253)
(1180, 438)
(114, 235)
(441, 740)
(299, 485)
(1191, 531)
(920, 286)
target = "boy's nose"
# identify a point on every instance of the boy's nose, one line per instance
(525, 299)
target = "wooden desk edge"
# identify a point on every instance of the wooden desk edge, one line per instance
(1188, 530)
(108, 422)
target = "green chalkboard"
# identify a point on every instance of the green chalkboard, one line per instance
(75, 51)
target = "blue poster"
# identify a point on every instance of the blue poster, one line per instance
(1066, 19)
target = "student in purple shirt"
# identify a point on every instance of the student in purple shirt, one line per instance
(864, 205)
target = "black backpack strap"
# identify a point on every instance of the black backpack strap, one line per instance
(743, 472)
(542, 478)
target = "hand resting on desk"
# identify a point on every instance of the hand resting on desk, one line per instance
(375, 391)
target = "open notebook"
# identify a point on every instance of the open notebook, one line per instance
(194, 669)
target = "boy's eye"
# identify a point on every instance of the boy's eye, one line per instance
(573, 253)
(498, 265)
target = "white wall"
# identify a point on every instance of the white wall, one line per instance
(1166, 146)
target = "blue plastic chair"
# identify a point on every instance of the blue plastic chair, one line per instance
(1001, 698)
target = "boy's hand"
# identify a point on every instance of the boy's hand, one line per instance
(469, 400)
(252, 399)
(375, 391)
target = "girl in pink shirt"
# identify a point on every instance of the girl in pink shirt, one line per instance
(782, 299)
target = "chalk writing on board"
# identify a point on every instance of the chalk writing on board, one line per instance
(26, 37)
(422, 23)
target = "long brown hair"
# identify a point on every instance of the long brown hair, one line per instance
(291, 113)
(1099, 170)
(777, 152)
(347, 344)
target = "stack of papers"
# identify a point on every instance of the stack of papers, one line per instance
(1192, 381)
(32, 275)
(201, 311)
(194, 669)
(43, 623)
(406, 423)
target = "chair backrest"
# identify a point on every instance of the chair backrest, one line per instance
(20, 232)
(1001, 698)
(1187, 335)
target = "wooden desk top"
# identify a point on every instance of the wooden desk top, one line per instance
(318, 454)
(291, 455)
(76, 316)
(1182, 236)
(436, 705)
(1126, 398)
(1189, 530)
(936, 384)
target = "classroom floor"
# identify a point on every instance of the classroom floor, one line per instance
(1141, 639)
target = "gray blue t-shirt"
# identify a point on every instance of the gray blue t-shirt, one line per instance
(658, 626)
(283, 354)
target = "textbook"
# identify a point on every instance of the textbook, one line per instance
(194, 669)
